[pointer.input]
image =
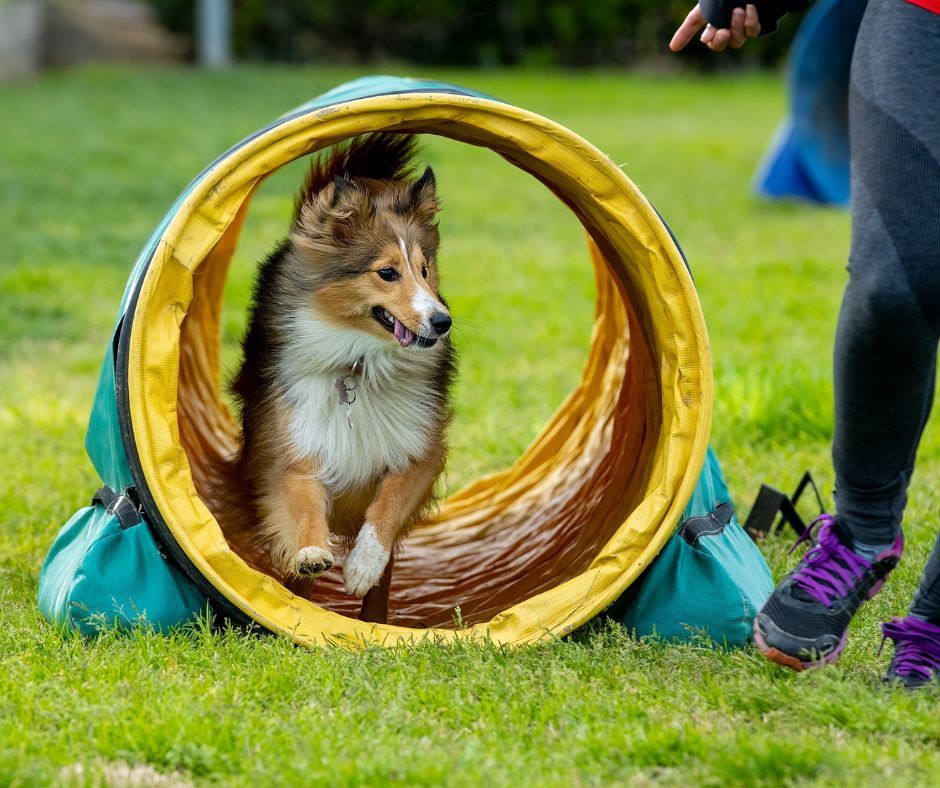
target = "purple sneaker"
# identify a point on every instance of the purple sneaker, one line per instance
(916, 659)
(805, 622)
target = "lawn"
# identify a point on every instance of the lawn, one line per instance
(91, 160)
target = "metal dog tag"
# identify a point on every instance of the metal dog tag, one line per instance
(346, 386)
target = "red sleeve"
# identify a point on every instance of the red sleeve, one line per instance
(930, 5)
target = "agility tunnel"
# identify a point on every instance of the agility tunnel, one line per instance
(808, 158)
(531, 552)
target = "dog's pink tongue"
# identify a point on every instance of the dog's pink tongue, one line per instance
(402, 334)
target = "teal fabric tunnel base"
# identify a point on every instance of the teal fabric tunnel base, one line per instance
(100, 574)
(708, 582)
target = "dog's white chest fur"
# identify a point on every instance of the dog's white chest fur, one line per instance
(393, 411)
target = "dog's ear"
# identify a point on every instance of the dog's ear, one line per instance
(345, 198)
(333, 215)
(425, 187)
(421, 198)
(343, 191)
(351, 209)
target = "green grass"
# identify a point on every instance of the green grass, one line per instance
(90, 161)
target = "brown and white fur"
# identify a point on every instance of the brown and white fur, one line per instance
(356, 281)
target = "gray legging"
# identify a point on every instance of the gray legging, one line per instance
(886, 344)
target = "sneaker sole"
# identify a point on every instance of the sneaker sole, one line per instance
(788, 661)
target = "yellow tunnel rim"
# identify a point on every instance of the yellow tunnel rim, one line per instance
(551, 152)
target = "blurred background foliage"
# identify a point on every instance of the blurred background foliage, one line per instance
(468, 32)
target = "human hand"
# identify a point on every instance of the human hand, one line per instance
(744, 25)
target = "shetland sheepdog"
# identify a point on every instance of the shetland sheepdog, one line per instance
(344, 388)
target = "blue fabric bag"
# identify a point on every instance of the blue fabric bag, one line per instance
(710, 579)
(105, 569)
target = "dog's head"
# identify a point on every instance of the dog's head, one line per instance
(370, 249)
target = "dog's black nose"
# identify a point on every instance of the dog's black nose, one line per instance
(440, 322)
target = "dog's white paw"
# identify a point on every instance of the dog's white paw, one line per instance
(312, 561)
(366, 562)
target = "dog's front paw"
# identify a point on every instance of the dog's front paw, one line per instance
(366, 562)
(312, 561)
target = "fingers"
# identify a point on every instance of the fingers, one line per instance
(745, 24)
(751, 22)
(692, 24)
(737, 34)
(719, 40)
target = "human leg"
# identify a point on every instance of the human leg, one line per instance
(886, 347)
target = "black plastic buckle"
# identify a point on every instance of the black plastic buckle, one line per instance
(124, 506)
(762, 519)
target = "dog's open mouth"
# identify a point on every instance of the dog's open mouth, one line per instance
(405, 336)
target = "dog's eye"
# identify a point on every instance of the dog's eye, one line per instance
(389, 274)
(424, 271)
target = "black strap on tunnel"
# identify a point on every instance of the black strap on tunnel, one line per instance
(711, 524)
(120, 505)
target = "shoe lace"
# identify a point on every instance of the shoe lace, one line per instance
(829, 569)
(916, 646)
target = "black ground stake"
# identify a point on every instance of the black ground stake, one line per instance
(770, 502)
